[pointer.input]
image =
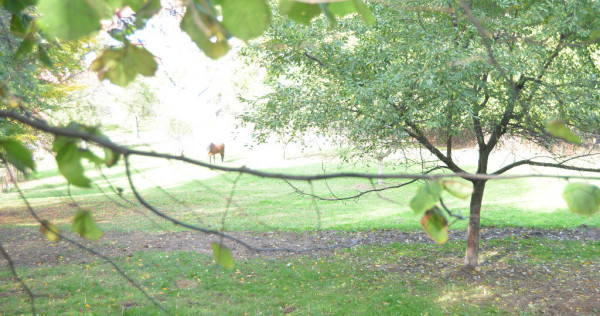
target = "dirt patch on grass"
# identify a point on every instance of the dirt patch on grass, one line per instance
(27, 246)
(508, 277)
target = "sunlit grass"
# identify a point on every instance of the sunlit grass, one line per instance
(201, 196)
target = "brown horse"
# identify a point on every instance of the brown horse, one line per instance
(216, 149)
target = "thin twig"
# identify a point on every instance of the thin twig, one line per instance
(81, 246)
(14, 272)
(216, 232)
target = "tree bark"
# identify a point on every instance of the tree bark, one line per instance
(380, 169)
(471, 256)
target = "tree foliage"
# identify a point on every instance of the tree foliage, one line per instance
(427, 72)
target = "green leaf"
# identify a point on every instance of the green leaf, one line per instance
(121, 65)
(71, 19)
(89, 155)
(50, 231)
(342, 8)
(435, 225)
(110, 157)
(558, 129)
(68, 159)
(364, 12)
(19, 24)
(17, 154)
(246, 19)
(44, 57)
(151, 8)
(299, 11)
(84, 225)
(206, 32)
(583, 199)
(426, 197)
(223, 255)
(135, 5)
(16, 6)
(25, 47)
(458, 189)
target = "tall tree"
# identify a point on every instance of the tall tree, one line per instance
(425, 72)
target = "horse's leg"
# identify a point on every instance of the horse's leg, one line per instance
(222, 156)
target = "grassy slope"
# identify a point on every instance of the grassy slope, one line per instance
(200, 196)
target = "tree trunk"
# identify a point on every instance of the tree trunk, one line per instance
(137, 127)
(472, 253)
(380, 169)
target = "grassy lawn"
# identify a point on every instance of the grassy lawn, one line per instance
(200, 196)
(390, 279)
(395, 279)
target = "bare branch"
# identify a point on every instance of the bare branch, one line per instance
(217, 232)
(356, 196)
(81, 246)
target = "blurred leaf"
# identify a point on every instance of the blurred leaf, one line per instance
(19, 24)
(25, 47)
(558, 129)
(246, 19)
(206, 32)
(583, 199)
(43, 56)
(147, 11)
(84, 225)
(342, 8)
(50, 231)
(71, 19)
(458, 189)
(110, 157)
(89, 155)
(122, 65)
(364, 12)
(298, 11)
(135, 5)
(435, 225)
(17, 154)
(223, 255)
(426, 197)
(16, 6)
(68, 159)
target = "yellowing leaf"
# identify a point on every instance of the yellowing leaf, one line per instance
(50, 231)
(121, 65)
(583, 199)
(458, 189)
(223, 255)
(435, 225)
(84, 225)
(206, 32)
(426, 197)
(558, 129)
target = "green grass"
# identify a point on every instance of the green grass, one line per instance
(199, 196)
(396, 279)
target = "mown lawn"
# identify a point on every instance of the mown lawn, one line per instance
(517, 275)
(393, 279)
